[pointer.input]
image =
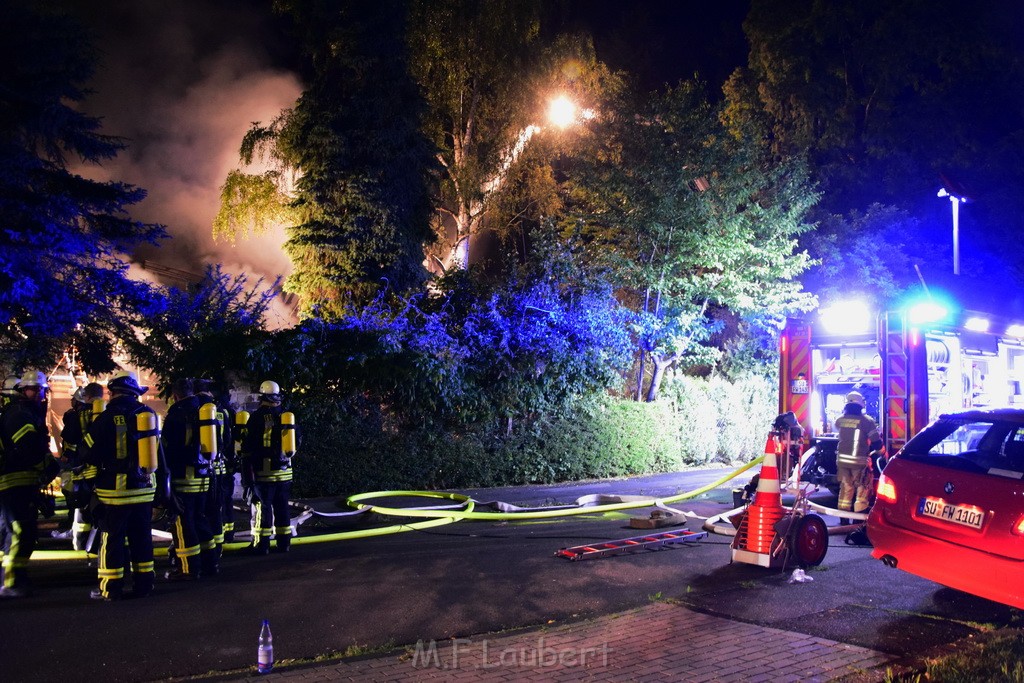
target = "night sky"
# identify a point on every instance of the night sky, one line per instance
(182, 81)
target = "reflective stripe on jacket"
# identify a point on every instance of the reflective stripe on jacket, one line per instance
(857, 434)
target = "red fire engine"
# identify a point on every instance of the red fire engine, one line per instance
(911, 365)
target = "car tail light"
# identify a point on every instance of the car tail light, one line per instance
(1018, 528)
(887, 490)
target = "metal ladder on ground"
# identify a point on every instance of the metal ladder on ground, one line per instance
(655, 541)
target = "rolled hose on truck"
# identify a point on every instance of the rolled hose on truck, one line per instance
(463, 509)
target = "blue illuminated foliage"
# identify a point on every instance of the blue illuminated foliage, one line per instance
(63, 277)
(467, 354)
(209, 330)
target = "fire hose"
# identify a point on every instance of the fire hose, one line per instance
(464, 508)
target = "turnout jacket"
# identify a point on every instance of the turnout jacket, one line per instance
(112, 446)
(264, 458)
(25, 458)
(858, 436)
(76, 426)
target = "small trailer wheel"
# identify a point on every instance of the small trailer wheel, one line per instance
(810, 540)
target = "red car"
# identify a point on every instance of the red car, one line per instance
(950, 505)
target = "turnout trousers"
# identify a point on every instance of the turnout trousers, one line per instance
(117, 524)
(18, 511)
(227, 510)
(191, 532)
(272, 515)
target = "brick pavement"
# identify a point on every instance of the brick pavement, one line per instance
(658, 642)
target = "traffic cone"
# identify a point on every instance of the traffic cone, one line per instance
(766, 509)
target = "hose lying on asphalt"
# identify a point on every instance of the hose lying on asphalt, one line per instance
(464, 508)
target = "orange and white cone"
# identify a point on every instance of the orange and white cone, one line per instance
(766, 509)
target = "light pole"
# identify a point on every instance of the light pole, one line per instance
(956, 201)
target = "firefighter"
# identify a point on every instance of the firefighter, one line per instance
(190, 484)
(8, 394)
(26, 464)
(267, 450)
(123, 445)
(83, 477)
(221, 476)
(238, 432)
(10, 390)
(858, 440)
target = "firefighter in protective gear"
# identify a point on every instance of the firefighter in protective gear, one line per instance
(194, 547)
(124, 457)
(267, 451)
(219, 510)
(238, 432)
(10, 390)
(83, 477)
(218, 433)
(858, 438)
(25, 464)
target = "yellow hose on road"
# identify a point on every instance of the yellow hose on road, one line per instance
(437, 517)
(356, 501)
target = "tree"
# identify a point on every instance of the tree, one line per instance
(475, 63)
(213, 330)
(63, 277)
(884, 97)
(358, 208)
(695, 220)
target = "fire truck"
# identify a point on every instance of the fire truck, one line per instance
(911, 365)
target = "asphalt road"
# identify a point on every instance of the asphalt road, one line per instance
(458, 580)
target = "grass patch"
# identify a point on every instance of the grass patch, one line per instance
(999, 659)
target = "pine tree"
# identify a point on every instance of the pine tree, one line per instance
(63, 277)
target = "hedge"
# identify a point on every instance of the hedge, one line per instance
(698, 422)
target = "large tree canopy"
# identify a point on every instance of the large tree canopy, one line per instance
(349, 163)
(890, 101)
(697, 221)
(62, 274)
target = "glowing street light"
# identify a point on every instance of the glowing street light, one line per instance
(956, 198)
(562, 111)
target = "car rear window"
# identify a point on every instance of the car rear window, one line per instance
(995, 447)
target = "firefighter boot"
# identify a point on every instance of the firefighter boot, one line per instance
(262, 547)
(142, 584)
(211, 561)
(284, 543)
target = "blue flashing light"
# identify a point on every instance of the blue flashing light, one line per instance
(847, 317)
(1015, 330)
(926, 312)
(976, 324)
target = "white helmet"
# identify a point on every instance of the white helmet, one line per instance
(33, 378)
(268, 388)
(856, 397)
(11, 386)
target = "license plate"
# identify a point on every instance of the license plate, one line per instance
(967, 515)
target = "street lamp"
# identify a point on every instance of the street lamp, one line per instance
(956, 198)
(562, 112)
